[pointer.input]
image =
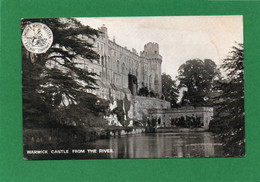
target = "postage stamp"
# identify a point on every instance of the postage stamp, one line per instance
(37, 38)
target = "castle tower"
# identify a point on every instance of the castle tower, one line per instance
(103, 29)
(103, 41)
(151, 53)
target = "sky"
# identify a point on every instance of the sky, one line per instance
(180, 38)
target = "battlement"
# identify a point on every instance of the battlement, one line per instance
(117, 62)
(151, 50)
(103, 29)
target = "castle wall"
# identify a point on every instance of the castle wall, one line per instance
(117, 62)
(113, 69)
(138, 109)
(142, 105)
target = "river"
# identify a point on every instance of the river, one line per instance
(146, 145)
(158, 145)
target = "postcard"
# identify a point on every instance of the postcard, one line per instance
(133, 87)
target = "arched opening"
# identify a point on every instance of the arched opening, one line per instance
(108, 62)
(102, 60)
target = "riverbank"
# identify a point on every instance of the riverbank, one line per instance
(180, 130)
(137, 130)
(53, 136)
(125, 131)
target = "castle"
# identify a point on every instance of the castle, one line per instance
(116, 63)
(122, 73)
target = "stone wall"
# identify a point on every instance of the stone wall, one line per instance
(142, 105)
(138, 108)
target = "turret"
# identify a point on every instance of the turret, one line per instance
(103, 29)
(151, 48)
(151, 53)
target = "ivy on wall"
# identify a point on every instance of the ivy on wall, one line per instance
(122, 110)
(144, 92)
(132, 80)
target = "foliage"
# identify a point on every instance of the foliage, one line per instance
(56, 87)
(152, 94)
(170, 89)
(127, 105)
(187, 122)
(121, 111)
(144, 92)
(196, 77)
(132, 80)
(229, 114)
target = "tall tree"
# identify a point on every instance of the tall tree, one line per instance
(56, 88)
(196, 78)
(229, 117)
(170, 89)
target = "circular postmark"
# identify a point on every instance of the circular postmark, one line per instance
(37, 38)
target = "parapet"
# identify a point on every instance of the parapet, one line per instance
(103, 29)
(151, 50)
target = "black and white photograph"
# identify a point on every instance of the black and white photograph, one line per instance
(133, 87)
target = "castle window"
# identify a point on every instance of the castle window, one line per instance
(123, 68)
(145, 68)
(156, 82)
(117, 66)
(150, 82)
(108, 62)
(102, 61)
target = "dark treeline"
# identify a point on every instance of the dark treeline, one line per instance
(53, 100)
(187, 122)
(229, 112)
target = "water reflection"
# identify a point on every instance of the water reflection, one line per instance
(162, 145)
